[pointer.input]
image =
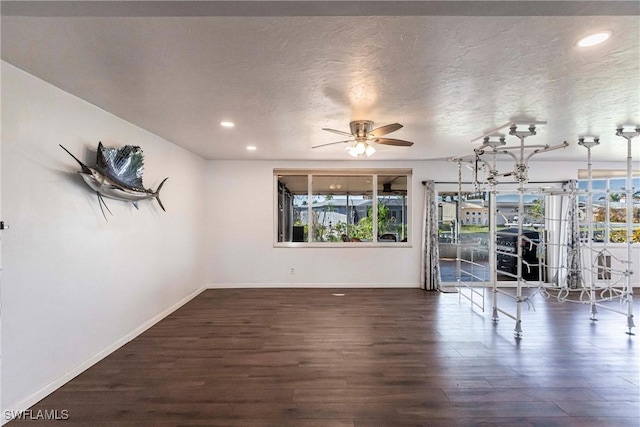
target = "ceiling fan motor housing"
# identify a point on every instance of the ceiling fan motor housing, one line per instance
(360, 128)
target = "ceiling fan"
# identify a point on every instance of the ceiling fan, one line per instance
(363, 134)
(387, 190)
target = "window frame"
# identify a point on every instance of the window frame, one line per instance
(375, 173)
(606, 224)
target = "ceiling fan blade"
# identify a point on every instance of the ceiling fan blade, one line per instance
(332, 143)
(383, 130)
(391, 141)
(339, 132)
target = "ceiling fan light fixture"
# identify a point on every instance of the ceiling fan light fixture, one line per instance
(369, 150)
(360, 148)
(594, 39)
(353, 152)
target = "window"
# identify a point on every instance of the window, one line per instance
(609, 210)
(463, 234)
(323, 207)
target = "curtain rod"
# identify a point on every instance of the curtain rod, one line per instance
(473, 183)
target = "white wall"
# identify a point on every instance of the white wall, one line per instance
(240, 229)
(73, 284)
(240, 236)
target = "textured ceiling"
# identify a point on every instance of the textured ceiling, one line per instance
(282, 72)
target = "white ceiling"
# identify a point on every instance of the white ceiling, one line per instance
(448, 71)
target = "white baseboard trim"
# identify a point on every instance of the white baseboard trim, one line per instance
(344, 285)
(310, 285)
(68, 376)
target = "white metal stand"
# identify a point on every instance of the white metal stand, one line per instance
(521, 154)
(467, 269)
(628, 297)
(574, 271)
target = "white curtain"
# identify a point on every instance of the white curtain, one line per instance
(574, 260)
(430, 265)
(567, 251)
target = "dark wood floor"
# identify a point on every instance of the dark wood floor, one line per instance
(404, 357)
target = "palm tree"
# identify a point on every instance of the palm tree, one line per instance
(614, 197)
(617, 197)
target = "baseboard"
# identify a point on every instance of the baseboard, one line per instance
(310, 285)
(68, 376)
(340, 285)
(344, 285)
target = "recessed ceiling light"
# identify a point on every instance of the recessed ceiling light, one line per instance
(227, 124)
(251, 148)
(594, 39)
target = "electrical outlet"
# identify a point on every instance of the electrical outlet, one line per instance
(292, 271)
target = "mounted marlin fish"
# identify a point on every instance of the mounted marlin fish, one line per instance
(118, 175)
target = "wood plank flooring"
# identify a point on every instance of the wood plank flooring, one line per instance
(373, 357)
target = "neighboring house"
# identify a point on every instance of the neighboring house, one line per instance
(508, 214)
(336, 210)
(474, 214)
(333, 211)
(447, 212)
(477, 214)
(397, 207)
(471, 213)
